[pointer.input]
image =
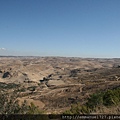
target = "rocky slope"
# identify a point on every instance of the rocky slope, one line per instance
(54, 83)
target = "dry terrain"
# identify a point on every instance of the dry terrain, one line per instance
(54, 83)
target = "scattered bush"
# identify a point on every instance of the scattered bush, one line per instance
(10, 105)
(108, 98)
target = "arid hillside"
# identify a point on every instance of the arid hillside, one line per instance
(55, 83)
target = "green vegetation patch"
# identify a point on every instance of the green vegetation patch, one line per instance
(8, 86)
(107, 99)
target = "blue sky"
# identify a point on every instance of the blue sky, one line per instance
(76, 28)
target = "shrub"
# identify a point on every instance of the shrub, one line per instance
(108, 98)
(95, 100)
(10, 105)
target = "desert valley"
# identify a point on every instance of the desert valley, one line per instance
(55, 83)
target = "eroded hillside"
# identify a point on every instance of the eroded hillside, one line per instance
(54, 83)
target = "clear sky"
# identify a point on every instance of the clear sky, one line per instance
(77, 28)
